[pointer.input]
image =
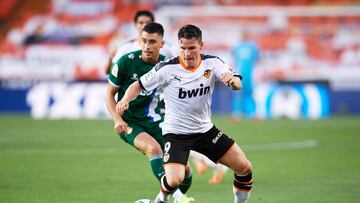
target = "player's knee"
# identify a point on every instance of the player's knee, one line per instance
(187, 170)
(244, 168)
(175, 181)
(153, 150)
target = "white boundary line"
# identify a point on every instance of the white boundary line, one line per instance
(281, 145)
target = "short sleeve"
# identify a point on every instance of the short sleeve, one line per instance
(154, 78)
(117, 73)
(221, 67)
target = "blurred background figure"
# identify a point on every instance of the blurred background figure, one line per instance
(245, 54)
(141, 18)
(202, 164)
(52, 59)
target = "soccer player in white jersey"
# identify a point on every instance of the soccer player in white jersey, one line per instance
(188, 83)
(143, 117)
(141, 18)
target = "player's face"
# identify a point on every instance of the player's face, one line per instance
(151, 44)
(190, 51)
(141, 22)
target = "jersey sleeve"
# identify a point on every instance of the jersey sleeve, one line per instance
(221, 67)
(154, 78)
(117, 72)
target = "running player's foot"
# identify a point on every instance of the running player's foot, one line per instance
(200, 166)
(185, 199)
(218, 177)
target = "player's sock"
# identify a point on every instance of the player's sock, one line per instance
(177, 194)
(161, 197)
(242, 188)
(165, 187)
(185, 185)
(157, 166)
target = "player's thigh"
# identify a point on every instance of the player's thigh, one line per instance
(214, 144)
(236, 159)
(154, 129)
(147, 144)
(130, 137)
(176, 149)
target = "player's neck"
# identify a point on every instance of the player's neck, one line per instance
(153, 60)
(192, 68)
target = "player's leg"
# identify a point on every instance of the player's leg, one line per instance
(145, 143)
(236, 160)
(176, 155)
(174, 176)
(186, 184)
(218, 174)
(202, 163)
(152, 149)
(220, 148)
(156, 132)
(199, 162)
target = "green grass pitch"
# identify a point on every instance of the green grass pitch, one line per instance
(57, 161)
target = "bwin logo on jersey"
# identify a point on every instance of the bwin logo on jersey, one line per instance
(194, 92)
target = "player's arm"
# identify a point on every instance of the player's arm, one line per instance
(131, 93)
(119, 125)
(227, 75)
(149, 82)
(110, 61)
(232, 80)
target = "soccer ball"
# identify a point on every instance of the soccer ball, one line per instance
(144, 201)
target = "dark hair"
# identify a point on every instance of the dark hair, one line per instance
(154, 28)
(189, 32)
(144, 13)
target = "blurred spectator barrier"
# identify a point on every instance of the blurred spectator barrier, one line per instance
(58, 100)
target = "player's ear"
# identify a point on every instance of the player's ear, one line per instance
(162, 43)
(201, 44)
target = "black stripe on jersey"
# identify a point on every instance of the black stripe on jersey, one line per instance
(204, 57)
(239, 76)
(141, 85)
(164, 63)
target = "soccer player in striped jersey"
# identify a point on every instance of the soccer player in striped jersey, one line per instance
(188, 83)
(140, 125)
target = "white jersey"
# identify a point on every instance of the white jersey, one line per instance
(187, 93)
(133, 45)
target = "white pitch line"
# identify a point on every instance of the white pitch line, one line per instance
(281, 145)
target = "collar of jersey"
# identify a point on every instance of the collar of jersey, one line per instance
(188, 68)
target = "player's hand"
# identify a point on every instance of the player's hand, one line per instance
(228, 78)
(121, 107)
(120, 126)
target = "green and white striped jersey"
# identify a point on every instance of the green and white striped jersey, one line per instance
(128, 69)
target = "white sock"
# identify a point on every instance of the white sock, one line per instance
(240, 196)
(162, 196)
(177, 194)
